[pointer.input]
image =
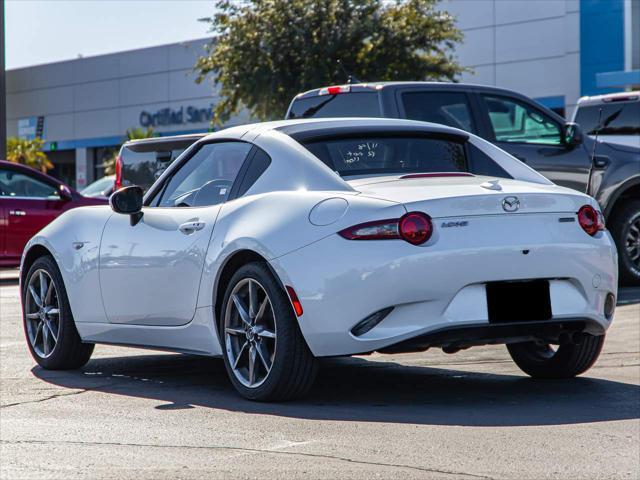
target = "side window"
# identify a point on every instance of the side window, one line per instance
(259, 163)
(517, 122)
(482, 164)
(207, 177)
(446, 108)
(16, 184)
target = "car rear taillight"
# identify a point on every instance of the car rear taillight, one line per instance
(118, 167)
(413, 227)
(416, 228)
(590, 220)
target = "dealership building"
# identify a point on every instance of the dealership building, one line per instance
(552, 50)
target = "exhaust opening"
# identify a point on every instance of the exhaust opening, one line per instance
(371, 321)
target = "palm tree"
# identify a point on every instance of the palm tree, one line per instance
(134, 133)
(28, 152)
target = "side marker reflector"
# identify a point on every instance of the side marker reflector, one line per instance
(297, 306)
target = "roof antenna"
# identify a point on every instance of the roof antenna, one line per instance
(593, 153)
(350, 78)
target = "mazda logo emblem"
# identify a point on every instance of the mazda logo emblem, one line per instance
(510, 204)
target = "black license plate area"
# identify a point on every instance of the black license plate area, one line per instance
(525, 301)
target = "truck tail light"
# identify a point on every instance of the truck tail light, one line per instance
(118, 167)
(335, 90)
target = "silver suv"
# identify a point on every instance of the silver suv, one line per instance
(617, 115)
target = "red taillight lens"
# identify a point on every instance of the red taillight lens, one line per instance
(335, 90)
(118, 167)
(413, 227)
(590, 220)
(416, 228)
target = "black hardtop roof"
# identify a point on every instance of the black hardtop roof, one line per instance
(351, 127)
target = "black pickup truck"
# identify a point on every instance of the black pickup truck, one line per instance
(517, 124)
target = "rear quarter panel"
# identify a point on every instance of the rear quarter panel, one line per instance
(275, 224)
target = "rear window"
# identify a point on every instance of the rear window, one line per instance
(369, 155)
(621, 118)
(358, 104)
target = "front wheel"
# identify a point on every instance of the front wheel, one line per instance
(265, 354)
(51, 332)
(540, 360)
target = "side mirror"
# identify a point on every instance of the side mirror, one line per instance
(572, 134)
(65, 193)
(128, 201)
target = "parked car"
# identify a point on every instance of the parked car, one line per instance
(527, 130)
(141, 162)
(274, 244)
(29, 200)
(101, 188)
(614, 117)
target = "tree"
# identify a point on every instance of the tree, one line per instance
(134, 133)
(264, 52)
(28, 152)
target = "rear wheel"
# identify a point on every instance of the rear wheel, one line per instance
(625, 229)
(264, 352)
(48, 324)
(541, 360)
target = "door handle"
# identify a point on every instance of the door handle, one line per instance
(17, 213)
(190, 227)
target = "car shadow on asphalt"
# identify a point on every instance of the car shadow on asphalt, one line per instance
(365, 390)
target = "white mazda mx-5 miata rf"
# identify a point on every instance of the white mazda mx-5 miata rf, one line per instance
(274, 244)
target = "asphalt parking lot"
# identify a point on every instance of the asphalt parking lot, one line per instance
(141, 414)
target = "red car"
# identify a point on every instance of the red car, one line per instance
(29, 200)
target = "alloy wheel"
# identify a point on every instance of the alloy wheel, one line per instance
(250, 332)
(632, 242)
(42, 312)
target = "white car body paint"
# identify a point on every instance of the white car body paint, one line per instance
(151, 285)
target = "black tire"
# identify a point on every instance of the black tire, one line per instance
(623, 224)
(570, 360)
(293, 366)
(68, 352)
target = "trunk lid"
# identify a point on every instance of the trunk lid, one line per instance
(442, 197)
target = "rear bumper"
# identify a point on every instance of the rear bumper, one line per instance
(462, 336)
(437, 288)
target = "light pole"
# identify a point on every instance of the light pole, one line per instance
(3, 90)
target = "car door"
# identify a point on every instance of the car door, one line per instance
(535, 138)
(150, 272)
(29, 204)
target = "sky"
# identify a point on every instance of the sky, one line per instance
(45, 31)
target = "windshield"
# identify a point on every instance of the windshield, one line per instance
(364, 155)
(620, 118)
(97, 187)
